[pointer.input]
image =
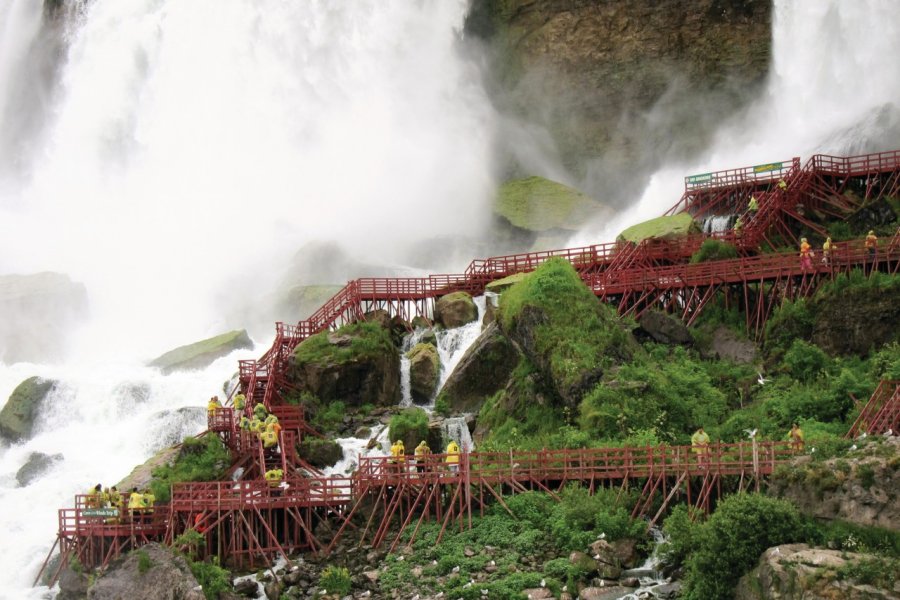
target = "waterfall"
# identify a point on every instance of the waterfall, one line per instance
(717, 224)
(455, 428)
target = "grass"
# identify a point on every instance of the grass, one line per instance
(200, 459)
(361, 340)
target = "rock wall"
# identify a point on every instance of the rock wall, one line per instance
(629, 79)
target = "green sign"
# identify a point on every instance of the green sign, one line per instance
(702, 178)
(100, 512)
(769, 167)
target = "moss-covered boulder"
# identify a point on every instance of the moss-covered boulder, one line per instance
(563, 329)
(498, 286)
(357, 364)
(320, 453)
(424, 372)
(483, 370)
(203, 353)
(662, 228)
(20, 411)
(38, 312)
(537, 204)
(455, 310)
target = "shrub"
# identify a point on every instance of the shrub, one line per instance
(200, 459)
(442, 406)
(411, 424)
(213, 579)
(336, 580)
(790, 321)
(730, 543)
(329, 417)
(190, 541)
(681, 531)
(713, 249)
(804, 360)
(144, 562)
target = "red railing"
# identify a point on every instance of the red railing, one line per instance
(885, 392)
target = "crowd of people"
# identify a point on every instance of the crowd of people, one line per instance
(422, 456)
(138, 502)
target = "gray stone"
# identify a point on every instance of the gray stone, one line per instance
(483, 369)
(604, 593)
(168, 577)
(424, 372)
(455, 310)
(664, 329)
(35, 465)
(203, 353)
(21, 410)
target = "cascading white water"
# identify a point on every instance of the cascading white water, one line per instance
(187, 149)
(833, 88)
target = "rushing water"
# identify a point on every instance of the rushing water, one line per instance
(171, 156)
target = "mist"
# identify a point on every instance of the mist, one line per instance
(192, 148)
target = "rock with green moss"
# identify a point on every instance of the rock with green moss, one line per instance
(18, 415)
(455, 310)
(563, 329)
(203, 353)
(537, 204)
(424, 372)
(320, 453)
(662, 228)
(357, 364)
(498, 286)
(484, 369)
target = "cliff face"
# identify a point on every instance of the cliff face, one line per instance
(632, 78)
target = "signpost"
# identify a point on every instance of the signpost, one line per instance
(100, 512)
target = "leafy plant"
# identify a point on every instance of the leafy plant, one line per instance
(336, 580)
(713, 249)
(200, 459)
(411, 424)
(144, 562)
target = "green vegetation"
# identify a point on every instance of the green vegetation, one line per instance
(880, 572)
(200, 459)
(329, 417)
(409, 425)
(213, 578)
(366, 339)
(516, 546)
(202, 353)
(665, 227)
(730, 542)
(144, 562)
(335, 580)
(538, 204)
(713, 249)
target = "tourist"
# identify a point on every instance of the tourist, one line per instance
(422, 451)
(806, 255)
(700, 445)
(240, 401)
(213, 405)
(796, 437)
(871, 243)
(94, 497)
(827, 248)
(453, 456)
(135, 502)
(752, 208)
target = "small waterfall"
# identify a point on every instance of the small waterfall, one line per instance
(453, 343)
(455, 428)
(717, 224)
(648, 574)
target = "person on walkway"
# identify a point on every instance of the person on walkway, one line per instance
(94, 497)
(871, 242)
(398, 454)
(104, 498)
(700, 445)
(796, 437)
(213, 405)
(453, 456)
(782, 185)
(273, 477)
(240, 401)
(827, 248)
(260, 412)
(806, 255)
(148, 499)
(135, 502)
(738, 225)
(752, 208)
(115, 498)
(245, 423)
(422, 452)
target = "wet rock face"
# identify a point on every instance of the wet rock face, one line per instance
(664, 329)
(20, 411)
(321, 453)
(625, 77)
(482, 371)
(35, 466)
(455, 310)
(424, 372)
(203, 353)
(861, 320)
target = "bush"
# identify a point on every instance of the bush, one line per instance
(713, 249)
(214, 579)
(200, 459)
(145, 563)
(336, 580)
(730, 543)
(409, 425)
(329, 417)
(681, 531)
(804, 360)
(442, 406)
(790, 321)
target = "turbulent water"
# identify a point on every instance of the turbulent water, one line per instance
(171, 155)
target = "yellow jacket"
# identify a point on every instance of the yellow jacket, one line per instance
(452, 452)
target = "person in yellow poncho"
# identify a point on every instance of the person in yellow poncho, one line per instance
(422, 451)
(213, 405)
(453, 456)
(796, 437)
(700, 445)
(827, 247)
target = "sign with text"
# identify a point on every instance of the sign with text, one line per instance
(769, 167)
(100, 512)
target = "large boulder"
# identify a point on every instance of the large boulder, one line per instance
(424, 372)
(18, 415)
(664, 329)
(357, 364)
(203, 353)
(38, 311)
(796, 571)
(541, 205)
(151, 572)
(861, 320)
(483, 370)
(455, 310)
(661, 228)
(36, 465)
(320, 453)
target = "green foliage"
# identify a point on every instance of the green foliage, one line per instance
(190, 541)
(336, 580)
(442, 406)
(76, 565)
(666, 392)
(329, 417)
(144, 562)
(574, 330)
(843, 535)
(367, 339)
(879, 572)
(713, 249)
(411, 424)
(804, 361)
(730, 542)
(681, 529)
(200, 459)
(214, 579)
(790, 321)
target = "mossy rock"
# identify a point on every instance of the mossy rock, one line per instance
(499, 286)
(18, 415)
(424, 372)
(664, 228)
(357, 364)
(203, 353)
(539, 204)
(455, 310)
(36, 465)
(320, 453)
(484, 369)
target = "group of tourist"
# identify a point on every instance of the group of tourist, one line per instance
(700, 442)
(139, 503)
(422, 454)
